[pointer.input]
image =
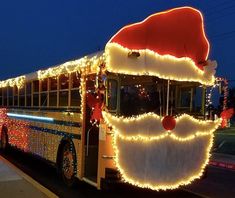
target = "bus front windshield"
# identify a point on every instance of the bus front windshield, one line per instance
(143, 94)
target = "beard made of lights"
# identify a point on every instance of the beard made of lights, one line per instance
(148, 156)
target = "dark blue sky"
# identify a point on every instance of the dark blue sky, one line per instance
(38, 34)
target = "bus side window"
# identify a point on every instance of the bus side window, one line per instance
(15, 93)
(63, 90)
(5, 96)
(22, 96)
(75, 99)
(53, 92)
(112, 94)
(10, 96)
(28, 94)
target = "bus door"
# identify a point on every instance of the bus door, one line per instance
(91, 131)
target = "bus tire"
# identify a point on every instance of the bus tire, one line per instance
(67, 163)
(4, 139)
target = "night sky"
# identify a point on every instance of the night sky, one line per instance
(37, 34)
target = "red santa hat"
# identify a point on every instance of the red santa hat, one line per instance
(170, 45)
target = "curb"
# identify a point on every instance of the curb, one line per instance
(230, 166)
(29, 179)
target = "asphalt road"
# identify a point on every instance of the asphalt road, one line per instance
(219, 183)
(47, 176)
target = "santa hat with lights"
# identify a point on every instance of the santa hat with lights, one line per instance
(171, 45)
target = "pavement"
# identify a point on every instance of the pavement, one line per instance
(15, 183)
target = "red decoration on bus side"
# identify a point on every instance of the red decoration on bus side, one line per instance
(95, 104)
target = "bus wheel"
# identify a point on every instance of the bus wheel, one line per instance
(4, 139)
(67, 167)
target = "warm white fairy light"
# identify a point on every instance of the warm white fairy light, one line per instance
(82, 91)
(204, 127)
(18, 81)
(84, 65)
(180, 69)
(119, 135)
(133, 181)
(209, 95)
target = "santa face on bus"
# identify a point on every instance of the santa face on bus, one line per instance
(161, 140)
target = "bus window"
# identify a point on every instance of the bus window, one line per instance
(53, 99)
(198, 95)
(5, 96)
(35, 100)
(141, 94)
(36, 93)
(63, 98)
(63, 87)
(28, 100)
(112, 94)
(53, 92)
(22, 96)
(15, 92)
(35, 86)
(187, 97)
(53, 83)
(43, 99)
(64, 81)
(75, 98)
(44, 93)
(44, 86)
(10, 96)
(28, 94)
(75, 80)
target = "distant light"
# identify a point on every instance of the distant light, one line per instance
(30, 117)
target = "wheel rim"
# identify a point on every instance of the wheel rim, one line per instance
(68, 164)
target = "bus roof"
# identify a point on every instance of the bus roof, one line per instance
(87, 63)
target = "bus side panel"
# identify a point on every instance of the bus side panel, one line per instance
(43, 138)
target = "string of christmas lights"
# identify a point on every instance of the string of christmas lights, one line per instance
(123, 134)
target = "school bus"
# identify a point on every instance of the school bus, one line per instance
(134, 112)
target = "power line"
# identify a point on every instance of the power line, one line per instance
(221, 16)
(224, 35)
(218, 5)
(220, 10)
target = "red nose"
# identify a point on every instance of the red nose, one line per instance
(169, 122)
